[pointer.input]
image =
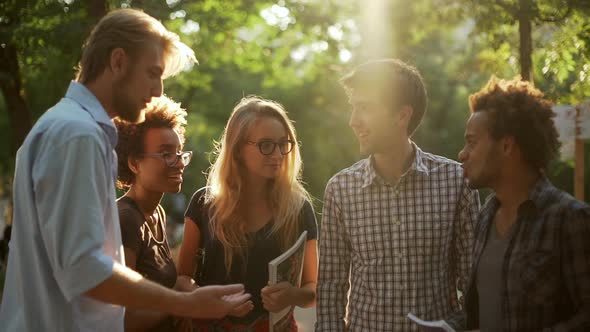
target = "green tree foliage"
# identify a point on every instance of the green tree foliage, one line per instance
(295, 51)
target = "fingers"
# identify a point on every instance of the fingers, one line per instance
(268, 295)
(275, 288)
(242, 309)
(245, 307)
(271, 302)
(271, 296)
(231, 296)
(238, 299)
(269, 290)
(276, 297)
(217, 301)
(228, 289)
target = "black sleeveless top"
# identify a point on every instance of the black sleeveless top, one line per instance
(252, 271)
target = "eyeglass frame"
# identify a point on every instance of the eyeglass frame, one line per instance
(274, 147)
(179, 157)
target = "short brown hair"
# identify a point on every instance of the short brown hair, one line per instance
(131, 30)
(516, 108)
(162, 112)
(399, 82)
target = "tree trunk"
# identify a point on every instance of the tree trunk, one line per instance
(19, 114)
(526, 39)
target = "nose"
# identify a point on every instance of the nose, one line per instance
(353, 122)
(158, 89)
(180, 165)
(462, 155)
(276, 154)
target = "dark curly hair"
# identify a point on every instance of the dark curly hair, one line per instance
(398, 83)
(162, 112)
(516, 108)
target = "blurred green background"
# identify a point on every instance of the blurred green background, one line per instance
(294, 52)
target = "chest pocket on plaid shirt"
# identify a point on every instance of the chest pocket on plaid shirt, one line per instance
(537, 275)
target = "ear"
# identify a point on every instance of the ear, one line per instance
(508, 144)
(404, 116)
(133, 164)
(118, 61)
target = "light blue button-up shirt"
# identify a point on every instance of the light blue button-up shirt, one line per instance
(65, 235)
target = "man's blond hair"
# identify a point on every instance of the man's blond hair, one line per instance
(131, 30)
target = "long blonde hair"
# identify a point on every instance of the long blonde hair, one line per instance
(225, 182)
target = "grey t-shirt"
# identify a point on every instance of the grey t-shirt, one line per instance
(489, 281)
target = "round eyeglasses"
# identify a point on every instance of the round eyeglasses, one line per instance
(267, 147)
(171, 158)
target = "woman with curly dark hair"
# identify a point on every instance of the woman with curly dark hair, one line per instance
(150, 163)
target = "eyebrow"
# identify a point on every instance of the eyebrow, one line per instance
(282, 138)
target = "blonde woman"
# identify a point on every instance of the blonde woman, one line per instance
(253, 208)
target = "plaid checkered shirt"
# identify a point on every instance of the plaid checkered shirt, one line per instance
(546, 268)
(387, 250)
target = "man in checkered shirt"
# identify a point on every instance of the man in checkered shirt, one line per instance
(397, 227)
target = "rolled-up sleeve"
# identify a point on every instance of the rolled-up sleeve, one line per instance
(72, 189)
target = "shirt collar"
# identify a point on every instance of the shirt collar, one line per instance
(418, 166)
(536, 198)
(83, 96)
(540, 191)
(419, 163)
(369, 174)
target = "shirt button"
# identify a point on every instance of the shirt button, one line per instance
(397, 222)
